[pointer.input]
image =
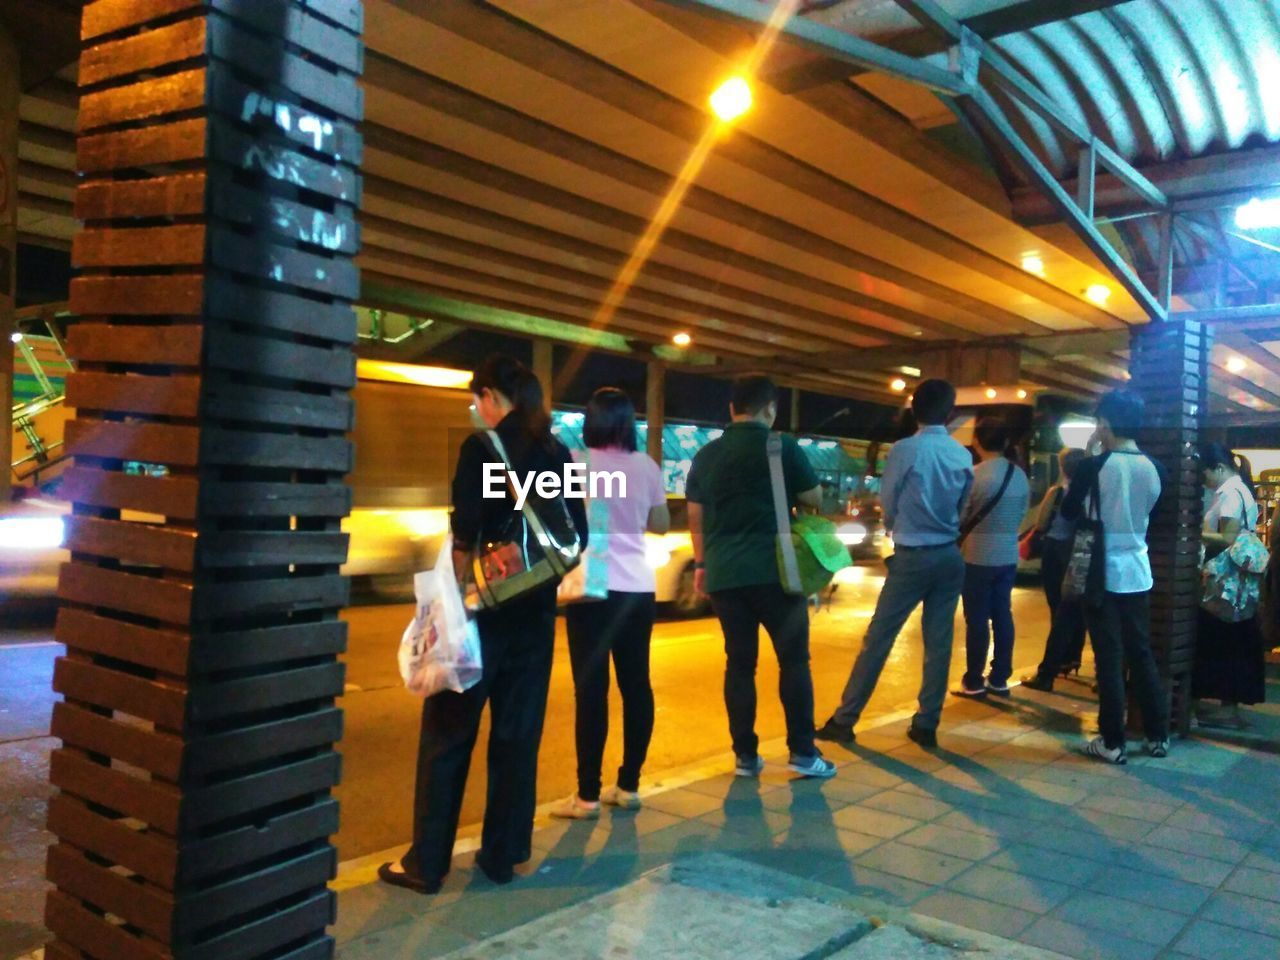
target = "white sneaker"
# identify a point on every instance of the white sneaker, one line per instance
(814, 766)
(617, 797)
(576, 808)
(1098, 749)
(1157, 748)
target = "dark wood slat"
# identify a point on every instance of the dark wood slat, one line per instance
(298, 25)
(248, 548)
(277, 310)
(284, 166)
(165, 650)
(205, 806)
(268, 356)
(152, 802)
(171, 196)
(274, 263)
(156, 752)
(251, 449)
(157, 47)
(173, 497)
(164, 704)
(255, 890)
(172, 396)
(149, 855)
(277, 597)
(147, 442)
(177, 295)
(141, 904)
(166, 600)
(285, 219)
(181, 245)
(260, 937)
(285, 120)
(178, 345)
(233, 698)
(257, 499)
(249, 745)
(227, 399)
(275, 646)
(209, 856)
(133, 543)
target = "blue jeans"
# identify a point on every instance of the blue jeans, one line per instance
(988, 616)
(930, 577)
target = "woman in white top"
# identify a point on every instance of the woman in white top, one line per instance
(1229, 665)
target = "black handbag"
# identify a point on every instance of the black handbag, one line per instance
(1086, 575)
(503, 570)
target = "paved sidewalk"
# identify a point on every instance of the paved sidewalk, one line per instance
(1005, 830)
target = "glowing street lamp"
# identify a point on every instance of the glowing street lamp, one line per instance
(731, 99)
(1033, 264)
(1099, 293)
(682, 339)
(898, 386)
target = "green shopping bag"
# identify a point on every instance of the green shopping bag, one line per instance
(808, 550)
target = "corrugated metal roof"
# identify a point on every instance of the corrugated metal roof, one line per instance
(1158, 79)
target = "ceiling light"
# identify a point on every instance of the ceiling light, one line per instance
(1099, 293)
(731, 99)
(418, 374)
(1022, 394)
(1236, 364)
(1258, 214)
(898, 386)
(1033, 264)
(991, 393)
(682, 339)
(910, 371)
(16, 337)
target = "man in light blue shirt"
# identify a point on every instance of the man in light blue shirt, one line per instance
(926, 480)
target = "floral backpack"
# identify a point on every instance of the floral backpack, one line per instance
(1231, 583)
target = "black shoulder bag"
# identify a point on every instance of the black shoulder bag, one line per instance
(972, 523)
(1086, 576)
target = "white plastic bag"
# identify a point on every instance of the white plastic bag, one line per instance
(440, 649)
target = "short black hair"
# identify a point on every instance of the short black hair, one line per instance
(933, 402)
(1071, 459)
(992, 433)
(1124, 410)
(610, 420)
(752, 393)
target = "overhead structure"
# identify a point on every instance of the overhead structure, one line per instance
(937, 172)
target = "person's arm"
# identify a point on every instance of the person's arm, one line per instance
(465, 518)
(699, 557)
(1044, 518)
(890, 479)
(1229, 528)
(659, 518)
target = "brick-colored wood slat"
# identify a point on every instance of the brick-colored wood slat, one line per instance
(173, 396)
(163, 704)
(159, 47)
(156, 752)
(186, 140)
(142, 905)
(181, 245)
(150, 855)
(98, 938)
(172, 497)
(166, 600)
(133, 543)
(150, 801)
(146, 99)
(165, 650)
(178, 345)
(174, 196)
(147, 442)
(111, 16)
(177, 295)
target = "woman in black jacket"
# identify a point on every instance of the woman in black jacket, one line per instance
(516, 641)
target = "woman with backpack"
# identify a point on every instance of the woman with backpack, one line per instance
(619, 626)
(1229, 663)
(517, 636)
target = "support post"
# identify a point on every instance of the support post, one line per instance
(220, 151)
(543, 352)
(1170, 369)
(794, 425)
(655, 407)
(9, 93)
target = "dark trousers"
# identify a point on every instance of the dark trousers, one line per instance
(742, 611)
(988, 618)
(1065, 642)
(619, 627)
(516, 643)
(1120, 628)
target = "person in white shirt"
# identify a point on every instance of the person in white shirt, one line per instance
(1230, 665)
(1121, 487)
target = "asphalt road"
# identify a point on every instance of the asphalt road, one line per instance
(382, 719)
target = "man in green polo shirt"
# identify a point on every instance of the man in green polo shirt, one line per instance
(735, 535)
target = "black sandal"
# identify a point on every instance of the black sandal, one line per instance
(398, 878)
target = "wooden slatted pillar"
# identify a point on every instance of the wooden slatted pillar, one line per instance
(220, 153)
(9, 96)
(1170, 369)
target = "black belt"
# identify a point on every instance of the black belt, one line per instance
(928, 546)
